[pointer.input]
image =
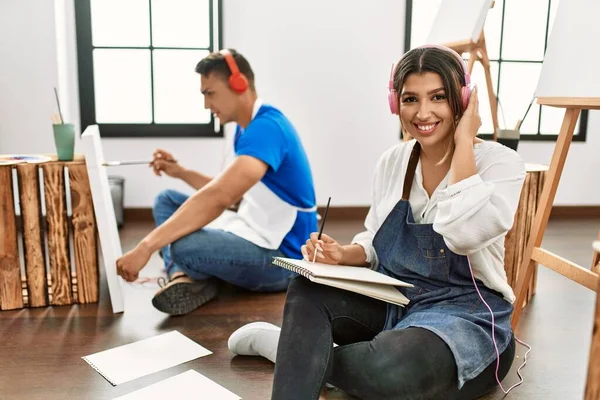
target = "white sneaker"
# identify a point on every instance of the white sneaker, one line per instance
(255, 339)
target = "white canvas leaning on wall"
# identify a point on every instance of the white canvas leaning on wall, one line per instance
(571, 61)
(459, 21)
(105, 213)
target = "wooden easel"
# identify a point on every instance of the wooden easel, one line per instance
(535, 254)
(466, 37)
(596, 258)
(478, 52)
(592, 390)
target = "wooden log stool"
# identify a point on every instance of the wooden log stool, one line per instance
(517, 238)
(25, 281)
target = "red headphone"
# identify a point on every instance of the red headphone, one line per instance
(465, 90)
(237, 81)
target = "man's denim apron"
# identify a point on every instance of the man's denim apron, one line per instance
(444, 299)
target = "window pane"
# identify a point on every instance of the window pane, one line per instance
(122, 86)
(423, 14)
(529, 127)
(485, 110)
(492, 30)
(517, 85)
(177, 97)
(180, 23)
(524, 29)
(552, 118)
(120, 23)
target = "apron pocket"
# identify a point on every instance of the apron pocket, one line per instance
(430, 249)
(433, 251)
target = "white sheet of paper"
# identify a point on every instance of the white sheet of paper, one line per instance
(144, 357)
(189, 385)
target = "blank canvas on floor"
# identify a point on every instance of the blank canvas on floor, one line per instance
(131, 361)
(189, 385)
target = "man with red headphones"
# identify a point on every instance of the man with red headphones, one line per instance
(200, 240)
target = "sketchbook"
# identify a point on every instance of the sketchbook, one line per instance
(189, 385)
(144, 357)
(355, 279)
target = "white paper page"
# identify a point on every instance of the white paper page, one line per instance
(189, 385)
(385, 293)
(134, 360)
(346, 272)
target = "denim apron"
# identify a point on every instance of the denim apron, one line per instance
(443, 299)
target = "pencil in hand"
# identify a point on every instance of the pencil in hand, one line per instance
(321, 230)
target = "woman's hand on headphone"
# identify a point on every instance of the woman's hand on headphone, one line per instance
(328, 250)
(470, 122)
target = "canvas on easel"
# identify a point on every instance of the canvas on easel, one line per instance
(568, 80)
(105, 213)
(458, 25)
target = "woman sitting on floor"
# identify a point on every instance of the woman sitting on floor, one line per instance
(442, 230)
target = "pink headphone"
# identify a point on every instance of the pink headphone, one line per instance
(465, 91)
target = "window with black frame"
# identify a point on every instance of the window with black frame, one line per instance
(516, 34)
(136, 66)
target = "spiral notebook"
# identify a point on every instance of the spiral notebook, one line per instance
(360, 280)
(144, 357)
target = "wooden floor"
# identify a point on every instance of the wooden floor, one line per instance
(41, 349)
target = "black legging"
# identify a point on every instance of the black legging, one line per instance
(411, 363)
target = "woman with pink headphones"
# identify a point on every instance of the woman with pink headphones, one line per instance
(443, 201)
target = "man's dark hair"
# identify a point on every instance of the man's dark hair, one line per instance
(215, 63)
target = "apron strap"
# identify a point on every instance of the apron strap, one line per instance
(410, 170)
(306, 210)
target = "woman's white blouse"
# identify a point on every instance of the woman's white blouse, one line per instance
(472, 215)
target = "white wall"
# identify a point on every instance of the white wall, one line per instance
(28, 74)
(324, 63)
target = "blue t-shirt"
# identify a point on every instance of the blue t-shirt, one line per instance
(271, 138)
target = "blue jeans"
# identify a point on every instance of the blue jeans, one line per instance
(210, 253)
